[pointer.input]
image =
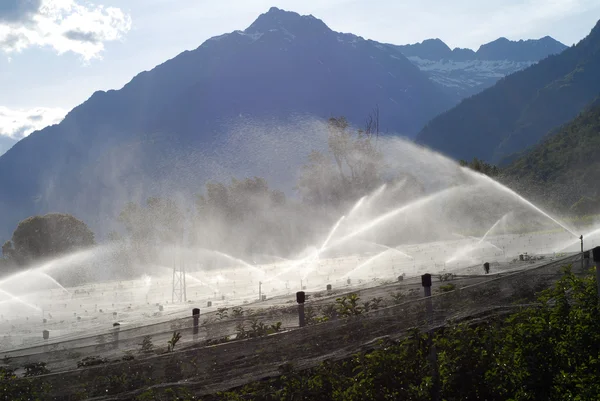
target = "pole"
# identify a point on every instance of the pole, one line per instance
(196, 317)
(116, 329)
(581, 239)
(426, 283)
(260, 290)
(435, 390)
(300, 298)
(596, 254)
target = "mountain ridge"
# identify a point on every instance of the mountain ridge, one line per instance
(521, 108)
(499, 49)
(464, 72)
(563, 168)
(166, 129)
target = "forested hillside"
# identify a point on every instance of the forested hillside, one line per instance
(565, 167)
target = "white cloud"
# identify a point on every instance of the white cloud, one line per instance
(18, 123)
(65, 26)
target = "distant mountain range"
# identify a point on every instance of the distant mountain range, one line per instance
(170, 129)
(521, 108)
(464, 72)
(203, 115)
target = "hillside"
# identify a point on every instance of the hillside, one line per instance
(464, 72)
(564, 167)
(221, 110)
(520, 109)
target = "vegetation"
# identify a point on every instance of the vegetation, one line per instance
(46, 236)
(147, 346)
(35, 369)
(14, 388)
(563, 169)
(173, 341)
(447, 287)
(353, 170)
(546, 352)
(481, 167)
(254, 218)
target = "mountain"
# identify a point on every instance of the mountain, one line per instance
(203, 115)
(6, 143)
(564, 167)
(464, 72)
(521, 108)
(522, 50)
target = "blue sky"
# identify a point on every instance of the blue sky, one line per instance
(55, 53)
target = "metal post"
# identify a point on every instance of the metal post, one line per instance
(196, 317)
(300, 298)
(46, 336)
(116, 329)
(426, 283)
(596, 254)
(581, 239)
(260, 290)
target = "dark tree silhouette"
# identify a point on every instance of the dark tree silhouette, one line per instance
(49, 235)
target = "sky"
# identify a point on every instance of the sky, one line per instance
(55, 53)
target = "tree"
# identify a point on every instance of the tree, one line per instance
(8, 250)
(156, 224)
(481, 167)
(353, 169)
(49, 235)
(242, 217)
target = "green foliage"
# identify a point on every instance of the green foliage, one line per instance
(91, 361)
(446, 277)
(348, 306)
(562, 170)
(546, 352)
(146, 346)
(237, 312)
(45, 236)
(168, 394)
(256, 329)
(173, 341)
(222, 313)
(35, 369)
(481, 167)
(447, 287)
(373, 304)
(398, 297)
(14, 388)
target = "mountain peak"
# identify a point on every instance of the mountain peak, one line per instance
(277, 19)
(432, 49)
(521, 50)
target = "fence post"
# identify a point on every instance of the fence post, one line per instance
(116, 329)
(435, 390)
(300, 298)
(596, 254)
(46, 336)
(581, 239)
(196, 317)
(426, 283)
